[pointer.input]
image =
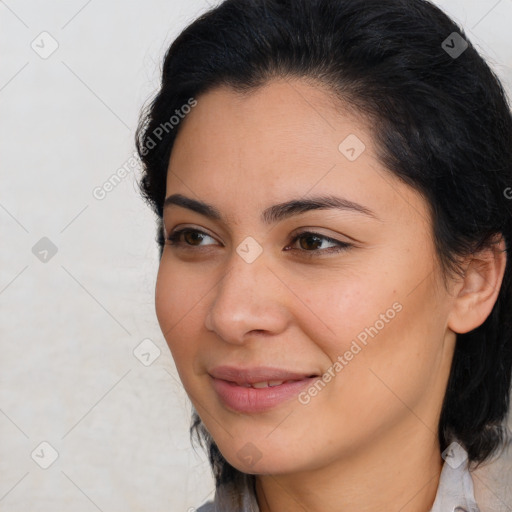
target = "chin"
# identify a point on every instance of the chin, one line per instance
(268, 467)
(253, 458)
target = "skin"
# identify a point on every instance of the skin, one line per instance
(368, 440)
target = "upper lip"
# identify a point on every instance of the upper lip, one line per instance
(255, 374)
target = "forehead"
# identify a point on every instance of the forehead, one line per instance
(283, 140)
(293, 107)
(282, 128)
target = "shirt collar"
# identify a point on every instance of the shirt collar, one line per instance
(455, 492)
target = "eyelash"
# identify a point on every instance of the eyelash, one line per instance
(173, 240)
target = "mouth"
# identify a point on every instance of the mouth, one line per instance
(258, 389)
(269, 383)
(258, 376)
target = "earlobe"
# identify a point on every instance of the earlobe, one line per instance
(479, 288)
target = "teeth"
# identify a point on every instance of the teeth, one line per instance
(266, 384)
(270, 383)
(259, 385)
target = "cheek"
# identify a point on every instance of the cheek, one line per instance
(178, 291)
(176, 306)
(167, 292)
(391, 356)
(381, 322)
(342, 305)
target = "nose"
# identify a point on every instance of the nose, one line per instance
(248, 300)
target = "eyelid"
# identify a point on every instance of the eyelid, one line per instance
(340, 245)
(295, 233)
(180, 227)
(183, 227)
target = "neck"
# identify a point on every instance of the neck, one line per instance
(400, 474)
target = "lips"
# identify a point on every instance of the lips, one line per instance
(247, 377)
(258, 389)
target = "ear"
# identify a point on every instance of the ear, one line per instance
(477, 292)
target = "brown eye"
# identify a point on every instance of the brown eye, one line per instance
(191, 237)
(311, 244)
(310, 241)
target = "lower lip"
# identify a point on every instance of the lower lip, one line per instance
(253, 400)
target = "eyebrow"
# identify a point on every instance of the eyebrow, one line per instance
(277, 212)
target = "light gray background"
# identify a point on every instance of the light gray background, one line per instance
(68, 326)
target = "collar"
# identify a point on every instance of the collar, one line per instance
(455, 492)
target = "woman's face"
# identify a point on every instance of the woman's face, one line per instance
(241, 290)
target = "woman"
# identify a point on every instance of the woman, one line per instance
(330, 180)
